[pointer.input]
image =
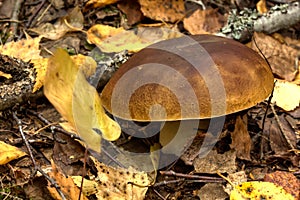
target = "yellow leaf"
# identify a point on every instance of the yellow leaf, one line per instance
(89, 187)
(5, 75)
(257, 190)
(100, 3)
(25, 49)
(110, 39)
(262, 7)
(119, 183)
(9, 153)
(286, 95)
(77, 101)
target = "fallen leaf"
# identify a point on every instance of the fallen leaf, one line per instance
(65, 183)
(215, 162)
(118, 183)
(89, 187)
(5, 75)
(77, 101)
(257, 190)
(9, 153)
(261, 6)
(241, 140)
(72, 22)
(99, 3)
(110, 39)
(286, 95)
(212, 191)
(25, 49)
(132, 9)
(163, 10)
(280, 55)
(287, 180)
(204, 22)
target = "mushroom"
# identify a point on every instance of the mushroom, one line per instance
(188, 79)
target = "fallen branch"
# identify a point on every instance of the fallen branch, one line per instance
(241, 25)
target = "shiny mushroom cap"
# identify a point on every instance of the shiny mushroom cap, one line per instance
(192, 77)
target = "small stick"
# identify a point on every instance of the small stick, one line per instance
(15, 17)
(189, 176)
(54, 128)
(36, 167)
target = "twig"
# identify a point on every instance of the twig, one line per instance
(15, 17)
(189, 176)
(240, 25)
(279, 17)
(54, 128)
(36, 167)
(32, 17)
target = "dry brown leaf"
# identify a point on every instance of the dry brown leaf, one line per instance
(72, 22)
(215, 162)
(66, 185)
(110, 39)
(132, 10)
(203, 22)
(99, 3)
(235, 178)
(280, 56)
(9, 153)
(212, 191)
(163, 10)
(118, 183)
(286, 95)
(241, 140)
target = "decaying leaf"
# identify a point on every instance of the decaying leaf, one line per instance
(72, 22)
(212, 191)
(9, 153)
(110, 39)
(132, 10)
(77, 101)
(280, 55)
(163, 10)
(257, 190)
(215, 162)
(287, 180)
(118, 183)
(286, 95)
(203, 22)
(66, 185)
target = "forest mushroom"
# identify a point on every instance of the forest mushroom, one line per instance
(167, 74)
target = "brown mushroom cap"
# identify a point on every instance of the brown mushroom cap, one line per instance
(211, 76)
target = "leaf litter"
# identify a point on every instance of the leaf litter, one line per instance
(282, 58)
